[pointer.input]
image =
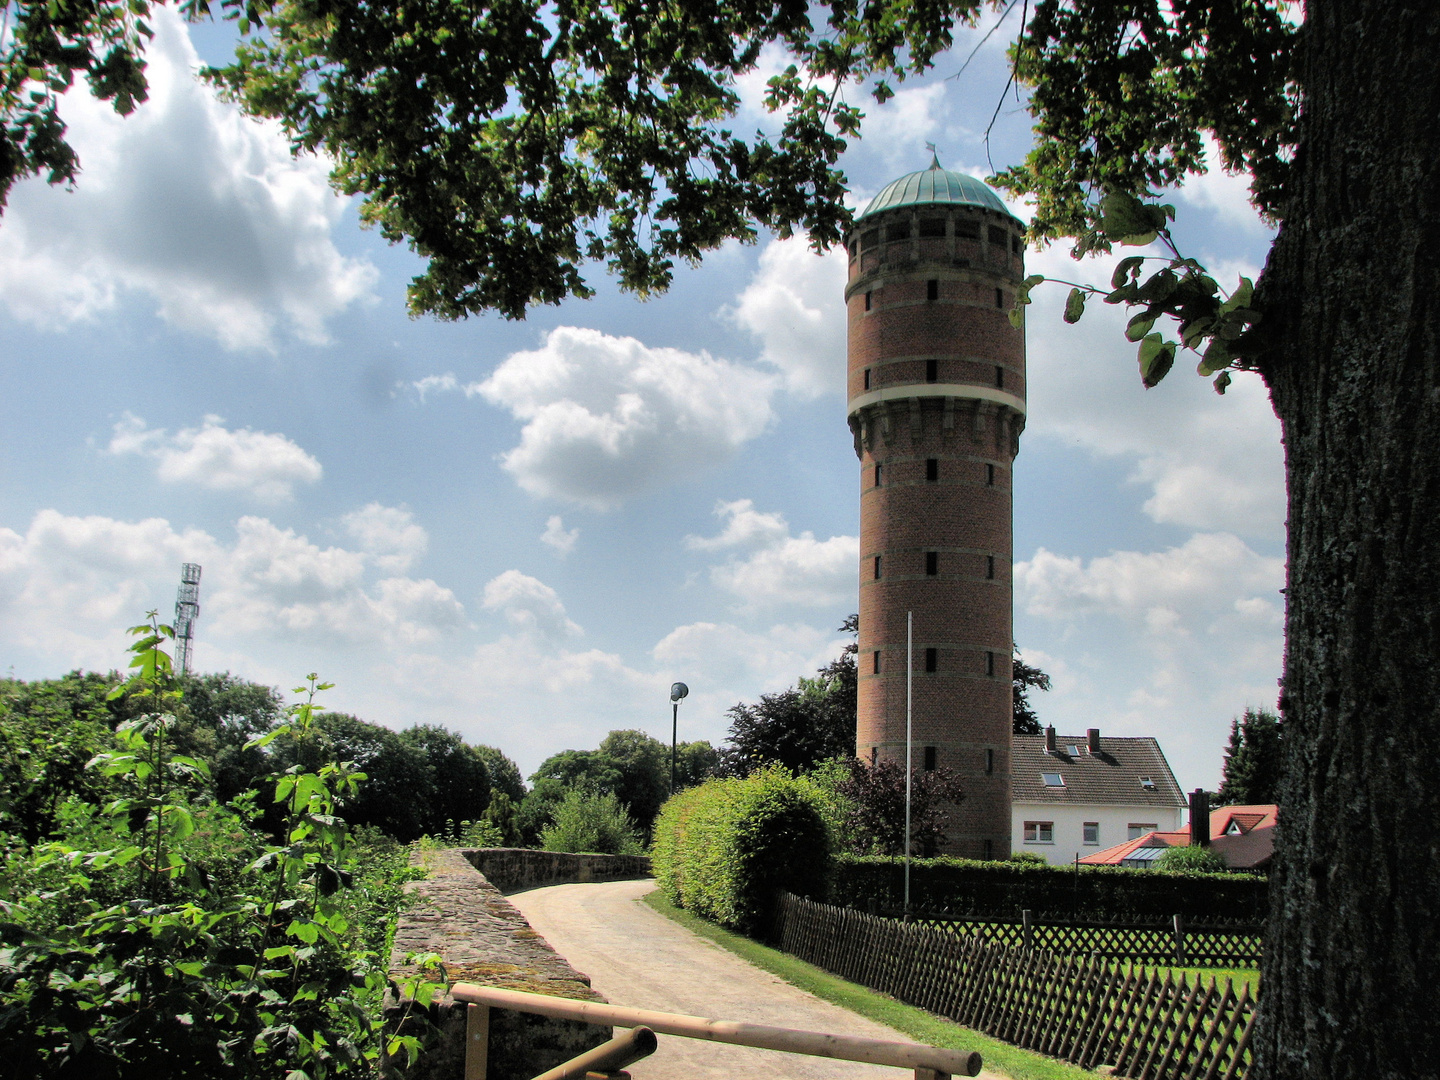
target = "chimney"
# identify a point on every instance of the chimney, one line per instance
(1049, 739)
(1093, 735)
(1200, 817)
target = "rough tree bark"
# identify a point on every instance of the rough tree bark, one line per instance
(1351, 296)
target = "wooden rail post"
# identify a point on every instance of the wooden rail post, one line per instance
(1027, 929)
(477, 1041)
(1179, 941)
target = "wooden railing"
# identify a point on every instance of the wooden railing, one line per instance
(1084, 1009)
(928, 1062)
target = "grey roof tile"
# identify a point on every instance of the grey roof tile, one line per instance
(1111, 777)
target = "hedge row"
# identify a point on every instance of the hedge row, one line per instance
(724, 849)
(1004, 889)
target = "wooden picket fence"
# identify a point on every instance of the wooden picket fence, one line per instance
(1084, 1009)
(1236, 945)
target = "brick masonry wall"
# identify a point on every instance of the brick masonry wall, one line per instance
(962, 519)
(481, 938)
(513, 869)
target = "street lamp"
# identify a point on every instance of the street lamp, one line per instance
(677, 691)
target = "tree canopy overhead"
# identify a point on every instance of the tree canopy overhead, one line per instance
(510, 143)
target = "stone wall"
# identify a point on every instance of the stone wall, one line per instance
(514, 869)
(481, 938)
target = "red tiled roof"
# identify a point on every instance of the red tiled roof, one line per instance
(1114, 856)
(1250, 849)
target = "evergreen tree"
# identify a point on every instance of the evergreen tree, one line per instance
(1253, 760)
(1026, 678)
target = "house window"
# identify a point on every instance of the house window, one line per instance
(1137, 829)
(877, 567)
(998, 236)
(932, 289)
(867, 301)
(989, 761)
(932, 659)
(1039, 832)
(990, 567)
(876, 665)
(930, 758)
(877, 474)
(932, 563)
(1053, 779)
(932, 470)
(968, 230)
(867, 378)
(989, 475)
(932, 370)
(932, 227)
(1091, 832)
(897, 230)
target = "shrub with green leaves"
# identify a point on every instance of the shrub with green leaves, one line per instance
(164, 935)
(586, 822)
(1192, 857)
(725, 848)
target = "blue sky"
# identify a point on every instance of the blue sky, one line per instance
(527, 530)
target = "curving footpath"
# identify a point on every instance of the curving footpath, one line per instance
(639, 958)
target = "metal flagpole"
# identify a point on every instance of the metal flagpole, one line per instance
(909, 680)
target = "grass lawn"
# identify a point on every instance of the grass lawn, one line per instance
(917, 1023)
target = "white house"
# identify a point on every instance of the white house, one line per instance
(1074, 796)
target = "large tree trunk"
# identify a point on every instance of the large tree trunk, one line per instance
(1351, 981)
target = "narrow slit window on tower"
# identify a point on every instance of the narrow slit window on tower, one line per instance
(932, 563)
(989, 475)
(932, 289)
(876, 662)
(1000, 298)
(932, 663)
(989, 663)
(929, 759)
(989, 761)
(990, 567)
(867, 301)
(932, 370)
(988, 847)
(867, 378)
(999, 377)
(877, 474)
(877, 567)
(932, 470)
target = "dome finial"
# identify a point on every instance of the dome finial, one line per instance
(934, 155)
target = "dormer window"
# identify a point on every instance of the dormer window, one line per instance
(1053, 779)
(1147, 783)
(1074, 751)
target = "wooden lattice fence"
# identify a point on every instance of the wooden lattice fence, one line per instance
(1084, 1009)
(1187, 944)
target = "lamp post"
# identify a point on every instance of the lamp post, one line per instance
(677, 691)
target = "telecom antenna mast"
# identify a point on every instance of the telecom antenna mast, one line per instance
(187, 610)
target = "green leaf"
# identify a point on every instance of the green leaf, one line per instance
(1140, 325)
(1221, 382)
(1074, 305)
(1157, 356)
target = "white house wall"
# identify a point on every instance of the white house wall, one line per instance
(1069, 821)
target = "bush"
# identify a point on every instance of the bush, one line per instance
(1029, 858)
(1192, 857)
(591, 823)
(724, 849)
(1004, 889)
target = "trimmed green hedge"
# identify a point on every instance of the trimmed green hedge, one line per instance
(1004, 889)
(723, 849)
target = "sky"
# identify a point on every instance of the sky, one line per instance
(526, 531)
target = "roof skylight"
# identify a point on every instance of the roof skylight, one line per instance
(1053, 779)
(1147, 783)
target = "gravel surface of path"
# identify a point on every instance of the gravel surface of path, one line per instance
(637, 957)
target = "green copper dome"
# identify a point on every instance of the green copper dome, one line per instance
(934, 186)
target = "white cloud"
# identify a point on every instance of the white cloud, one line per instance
(530, 605)
(900, 127)
(608, 417)
(558, 538)
(795, 306)
(389, 533)
(1209, 462)
(189, 203)
(258, 463)
(779, 568)
(1227, 194)
(69, 586)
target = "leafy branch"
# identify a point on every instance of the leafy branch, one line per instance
(1208, 322)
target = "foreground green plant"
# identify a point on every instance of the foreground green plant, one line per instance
(166, 937)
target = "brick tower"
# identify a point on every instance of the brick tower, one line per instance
(936, 405)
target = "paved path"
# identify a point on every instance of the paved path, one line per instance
(637, 957)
